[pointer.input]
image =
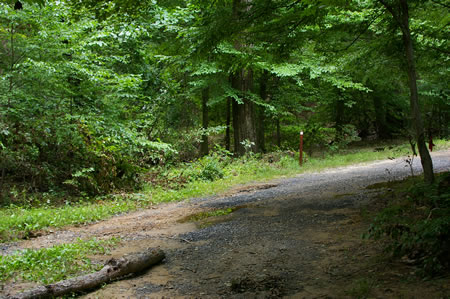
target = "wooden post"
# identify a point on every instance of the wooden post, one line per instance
(300, 159)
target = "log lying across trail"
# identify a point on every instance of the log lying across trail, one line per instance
(113, 269)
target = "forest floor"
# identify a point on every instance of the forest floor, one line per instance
(292, 237)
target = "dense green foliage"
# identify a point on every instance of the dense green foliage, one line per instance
(417, 223)
(112, 106)
(74, 105)
(94, 94)
(173, 99)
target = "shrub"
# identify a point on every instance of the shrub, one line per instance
(83, 155)
(208, 168)
(212, 169)
(418, 225)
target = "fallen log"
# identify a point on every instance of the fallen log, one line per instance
(113, 269)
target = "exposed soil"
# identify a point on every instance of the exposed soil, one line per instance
(296, 238)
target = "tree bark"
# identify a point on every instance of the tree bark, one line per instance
(278, 134)
(402, 18)
(228, 124)
(380, 118)
(261, 115)
(339, 118)
(244, 125)
(204, 148)
(113, 269)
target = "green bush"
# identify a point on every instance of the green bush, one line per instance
(85, 156)
(417, 223)
(208, 168)
(212, 169)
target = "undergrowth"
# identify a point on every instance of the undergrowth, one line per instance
(416, 223)
(20, 223)
(207, 176)
(56, 263)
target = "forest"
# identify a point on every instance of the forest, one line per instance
(93, 94)
(101, 100)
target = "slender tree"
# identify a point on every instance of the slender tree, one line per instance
(400, 12)
(204, 148)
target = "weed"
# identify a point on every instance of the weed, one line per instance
(56, 263)
(18, 223)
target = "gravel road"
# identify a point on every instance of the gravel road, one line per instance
(278, 242)
(292, 237)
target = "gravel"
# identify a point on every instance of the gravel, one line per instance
(265, 248)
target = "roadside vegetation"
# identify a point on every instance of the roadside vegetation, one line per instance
(110, 107)
(56, 263)
(28, 214)
(415, 223)
(33, 214)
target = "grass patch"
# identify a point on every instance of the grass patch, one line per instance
(205, 215)
(56, 263)
(18, 223)
(208, 176)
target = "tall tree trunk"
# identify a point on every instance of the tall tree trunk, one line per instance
(380, 117)
(425, 158)
(228, 124)
(402, 18)
(204, 149)
(2, 177)
(260, 130)
(244, 126)
(339, 118)
(236, 127)
(442, 130)
(278, 134)
(261, 115)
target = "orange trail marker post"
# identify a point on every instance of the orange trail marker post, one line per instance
(300, 159)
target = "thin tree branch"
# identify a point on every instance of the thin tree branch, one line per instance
(19, 58)
(438, 50)
(360, 33)
(392, 11)
(440, 3)
(398, 18)
(388, 7)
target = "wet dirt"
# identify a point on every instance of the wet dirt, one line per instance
(295, 238)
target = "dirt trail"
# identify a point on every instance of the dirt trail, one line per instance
(296, 237)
